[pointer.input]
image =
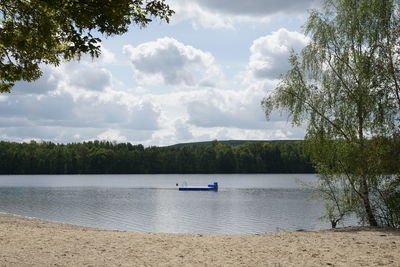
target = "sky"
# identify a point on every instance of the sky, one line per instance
(201, 77)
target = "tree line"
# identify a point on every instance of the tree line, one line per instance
(103, 157)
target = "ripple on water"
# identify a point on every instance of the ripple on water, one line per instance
(231, 210)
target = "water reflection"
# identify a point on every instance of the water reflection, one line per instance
(152, 203)
(165, 210)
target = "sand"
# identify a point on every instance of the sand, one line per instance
(33, 242)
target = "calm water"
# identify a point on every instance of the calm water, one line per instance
(151, 203)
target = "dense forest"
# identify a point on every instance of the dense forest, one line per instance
(100, 157)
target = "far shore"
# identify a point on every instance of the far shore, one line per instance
(34, 242)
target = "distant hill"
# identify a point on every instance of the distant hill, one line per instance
(233, 142)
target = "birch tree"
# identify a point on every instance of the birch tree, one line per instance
(344, 86)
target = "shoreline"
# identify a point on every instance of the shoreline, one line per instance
(35, 242)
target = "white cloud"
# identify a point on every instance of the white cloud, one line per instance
(80, 101)
(182, 131)
(228, 108)
(59, 117)
(270, 53)
(191, 10)
(173, 63)
(44, 85)
(144, 116)
(32, 107)
(111, 135)
(3, 98)
(89, 78)
(208, 114)
(225, 13)
(106, 58)
(246, 134)
(139, 90)
(257, 7)
(162, 119)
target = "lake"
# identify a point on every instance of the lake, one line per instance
(244, 204)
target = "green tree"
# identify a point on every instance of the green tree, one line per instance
(207, 161)
(344, 86)
(108, 157)
(49, 31)
(101, 160)
(226, 162)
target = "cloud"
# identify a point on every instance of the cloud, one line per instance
(182, 131)
(111, 135)
(35, 108)
(79, 104)
(83, 119)
(106, 58)
(84, 73)
(225, 13)
(80, 101)
(45, 84)
(89, 78)
(173, 63)
(159, 119)
(198, 15)
(144, 116)
(269, 54)
(229, 108)
(257, 7)
(283, 133)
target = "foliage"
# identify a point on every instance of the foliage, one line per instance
(345, 87)
(48, 31)
(387, 201)
(108, 157)
(337, 196)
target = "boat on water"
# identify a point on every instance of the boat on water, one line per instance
(210, 187)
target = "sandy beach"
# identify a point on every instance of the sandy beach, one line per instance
(33, 242)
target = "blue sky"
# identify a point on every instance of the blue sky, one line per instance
(201, 77)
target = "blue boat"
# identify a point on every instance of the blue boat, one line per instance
(210, 187)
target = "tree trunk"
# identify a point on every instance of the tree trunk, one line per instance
(367, 205)
(363, 165)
